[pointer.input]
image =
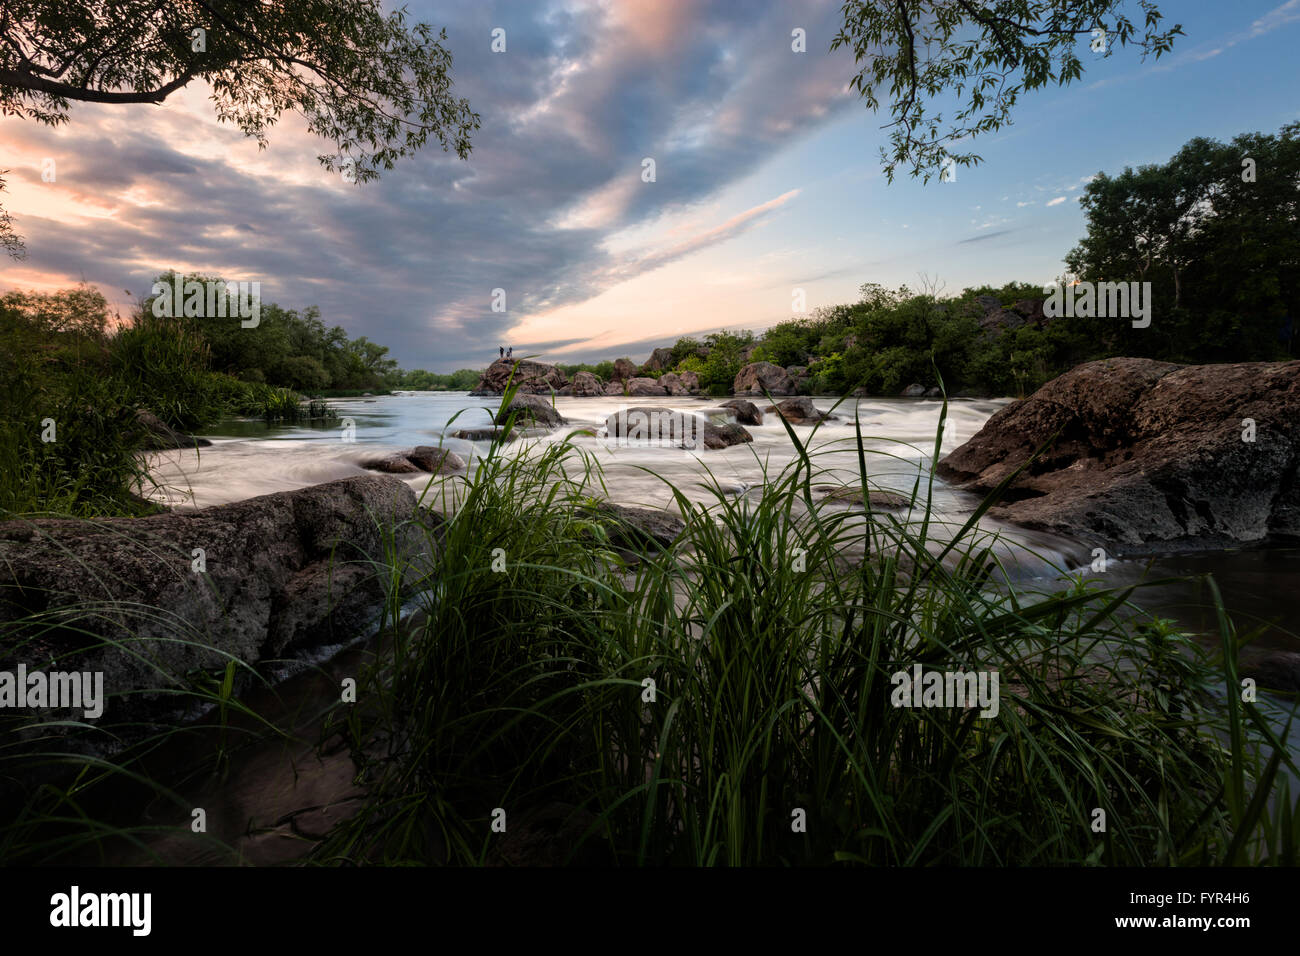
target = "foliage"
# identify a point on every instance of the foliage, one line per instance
(983, 54)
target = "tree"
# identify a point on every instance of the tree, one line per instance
(10, 241)
(369, 83)
(984, 53)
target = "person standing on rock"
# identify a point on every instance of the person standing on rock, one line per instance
(502, 350)
(510, 351)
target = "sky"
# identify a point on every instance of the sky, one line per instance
(768, 179)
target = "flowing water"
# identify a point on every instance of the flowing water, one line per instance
(250, 458)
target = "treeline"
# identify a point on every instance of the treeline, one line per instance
(75, 383)
(1216, 231)
(286, 347)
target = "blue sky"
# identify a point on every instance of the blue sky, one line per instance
(768, 179)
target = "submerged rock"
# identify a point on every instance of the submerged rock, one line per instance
(1150, 456)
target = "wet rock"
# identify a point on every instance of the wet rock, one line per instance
(530, 408)
(436, 461)
(673, 427)
(394, 464)
(481, 434)
(1149, 456)
(746, 412)
(799, 411)
(913, 391)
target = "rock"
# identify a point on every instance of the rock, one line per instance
(683, 429)
(1274, 670)
(640, 529)
(798, 373)
(645, 386)
(566, 392)
(530, 409)
(724, 436)
(436, 461)
(162, 436)
(535, 378)
(283, 572)
(757, 377)
(623, 370)
(799, 411)
(690, 382)
(746, 412)
(913, 391)
(880, 500)
(1150, 455)
(395, 464)
(934, 392)
(672, 383)
(586, 385)
(659, 360)
(481, 434)
(557, 834)
(615, 388)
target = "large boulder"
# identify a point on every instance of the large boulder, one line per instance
(256, 580)
(615, 388)
(659, 360)
(623, 370)
(530, 408)
(586, 385)
(672, 383)
(1150, 456)
(747, 412)
(690, 381)
(758, 377)
(674, 427)
(645, 386)
(535, 378)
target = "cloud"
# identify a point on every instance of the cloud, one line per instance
(1056, 202)
(584, 92)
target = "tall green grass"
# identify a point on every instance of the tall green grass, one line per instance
(771, 630)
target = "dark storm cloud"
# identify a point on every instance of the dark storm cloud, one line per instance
(581, 96)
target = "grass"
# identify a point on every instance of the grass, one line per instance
(771, 630)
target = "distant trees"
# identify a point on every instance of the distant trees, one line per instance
(289, 348)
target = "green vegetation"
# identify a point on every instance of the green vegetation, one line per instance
(773, 693)
(71, 435)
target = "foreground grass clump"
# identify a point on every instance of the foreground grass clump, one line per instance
(771, 630)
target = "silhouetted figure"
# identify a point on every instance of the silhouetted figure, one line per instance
(502, 350)
(510, 351)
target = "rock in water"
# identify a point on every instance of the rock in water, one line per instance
(532, 378)
(586, 385)
(531, 408)
(1151, 456)
(747, 413)
(668, 425)
(645, 386)
(799, 411)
